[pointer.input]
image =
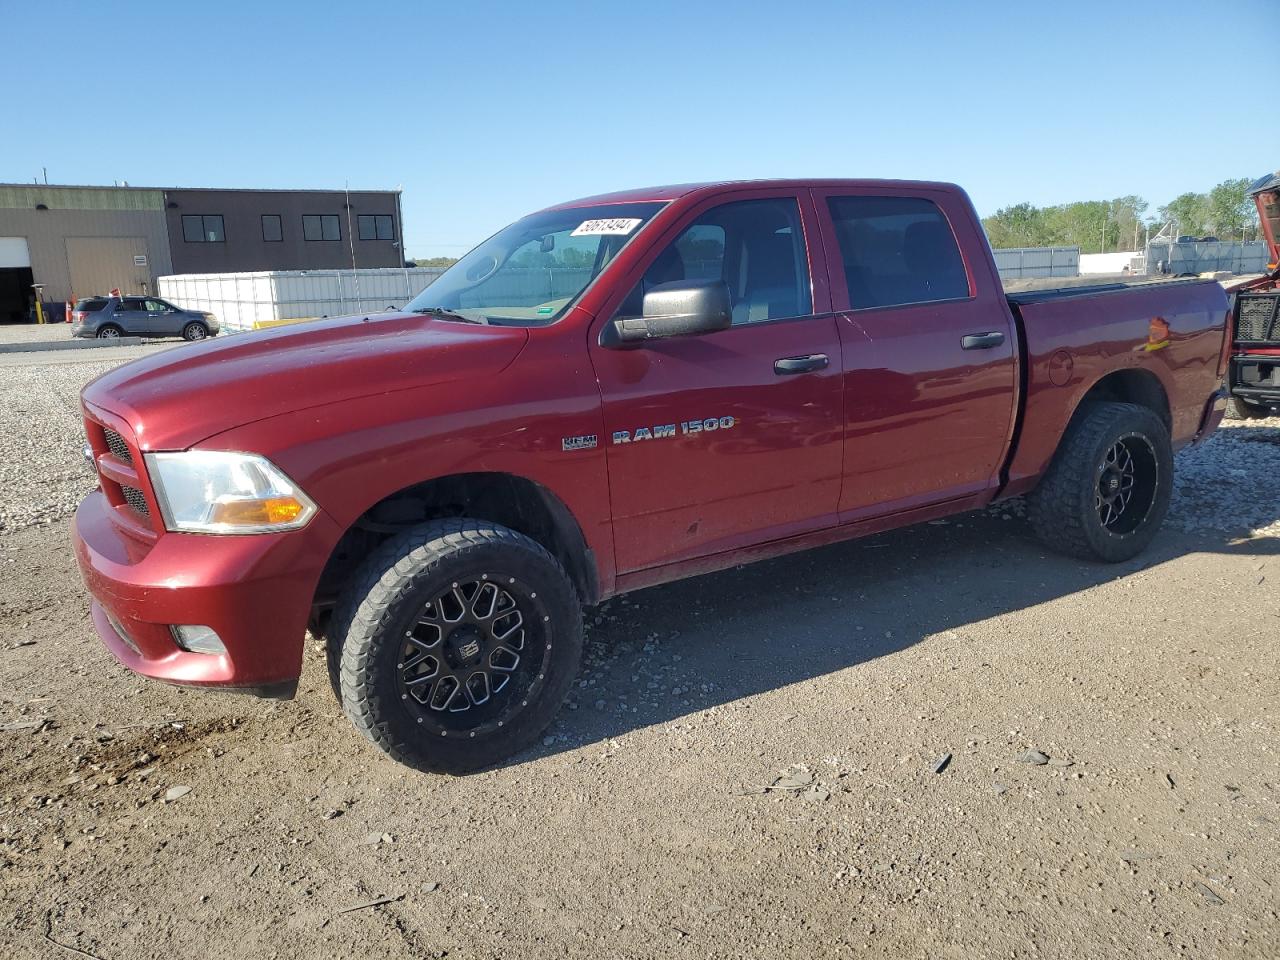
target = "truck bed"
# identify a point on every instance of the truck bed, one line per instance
(1164, 336)
(1055, 289)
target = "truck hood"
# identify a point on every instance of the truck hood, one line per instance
(1266, 194)
(175, 399)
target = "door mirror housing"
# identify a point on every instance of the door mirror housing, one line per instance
(681, 308)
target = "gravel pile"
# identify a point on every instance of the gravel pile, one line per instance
(1227, 484)
(42, 472)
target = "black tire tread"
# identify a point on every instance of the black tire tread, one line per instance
(382, 580)
(1056, 507)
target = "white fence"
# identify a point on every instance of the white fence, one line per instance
(1238, 257)
(239, 300)
(1025, 263)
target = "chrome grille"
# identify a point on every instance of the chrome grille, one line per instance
(1258, 318)
(133, 496)
(119, 449)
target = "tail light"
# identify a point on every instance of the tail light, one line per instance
(1228, 338)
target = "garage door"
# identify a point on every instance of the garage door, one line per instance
(14, 252)
(101, 264)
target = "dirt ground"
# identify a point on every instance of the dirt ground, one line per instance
(142, 821)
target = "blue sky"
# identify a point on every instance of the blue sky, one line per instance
(484, 111)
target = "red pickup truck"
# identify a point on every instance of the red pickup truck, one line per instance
(606, 395)
(1254, 373)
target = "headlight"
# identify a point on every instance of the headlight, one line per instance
(208, 491)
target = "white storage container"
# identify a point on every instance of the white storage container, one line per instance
(241, 301)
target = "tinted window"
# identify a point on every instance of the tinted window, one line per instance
(897, 250)
(90, 306)
(158, 306)
(755, 246)
(375, 226)
(271, 228)
(202, 229)
(321, 227)
(132, 306)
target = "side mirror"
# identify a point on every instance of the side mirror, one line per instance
(681, 308)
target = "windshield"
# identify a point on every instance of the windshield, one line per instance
(532, 271)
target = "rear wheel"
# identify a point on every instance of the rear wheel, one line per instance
(1107, 490)
(109, 332)
(195, 330)
(459, 640)
(1238, 409)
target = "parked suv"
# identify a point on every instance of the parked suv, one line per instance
(109, 318)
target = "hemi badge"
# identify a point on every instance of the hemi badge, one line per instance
(587, 442)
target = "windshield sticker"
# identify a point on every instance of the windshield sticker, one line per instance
(617, 227)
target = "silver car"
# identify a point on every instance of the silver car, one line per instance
(109, 318)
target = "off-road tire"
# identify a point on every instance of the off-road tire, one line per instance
(1063, 509)
(194, 332)
(386, 596)
(109, 332)
(1238, 409)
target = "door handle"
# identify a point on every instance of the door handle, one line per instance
(789, 365)
(981, 341)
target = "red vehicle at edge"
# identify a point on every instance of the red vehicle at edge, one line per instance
(613, 393)
(1254, 374)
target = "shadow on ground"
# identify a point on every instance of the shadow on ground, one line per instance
(659, 654)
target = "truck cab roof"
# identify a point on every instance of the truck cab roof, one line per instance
(676, 191)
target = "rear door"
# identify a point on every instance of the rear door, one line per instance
(131, 316)
(720, 441)
(929, 349)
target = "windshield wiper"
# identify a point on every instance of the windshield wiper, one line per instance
(444, 314)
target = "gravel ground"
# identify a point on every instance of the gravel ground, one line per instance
(33, 332)
(746, 766)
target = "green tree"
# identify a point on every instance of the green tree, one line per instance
(1021, 225)
(1189, 213)
(1231, 212)
(435, 262)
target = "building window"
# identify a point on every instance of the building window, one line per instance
(376, 226)
(317, 226)
(272, 232)
(206, 228)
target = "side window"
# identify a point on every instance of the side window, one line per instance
(755, 246)
(897, 250)
(131, 306)
(157, 306)
(272, 230)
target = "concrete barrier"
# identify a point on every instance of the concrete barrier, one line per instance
(37, 346)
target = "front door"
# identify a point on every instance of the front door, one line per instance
(719, 441)
(131, 316)
(929, 350)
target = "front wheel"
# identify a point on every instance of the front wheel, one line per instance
(195, 330)
(1107, 490)
(459, 640)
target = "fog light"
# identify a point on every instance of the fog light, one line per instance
(197, 639)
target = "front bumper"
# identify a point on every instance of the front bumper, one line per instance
(254, 591)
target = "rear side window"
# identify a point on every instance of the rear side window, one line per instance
(92, 305)
(897, 250)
